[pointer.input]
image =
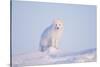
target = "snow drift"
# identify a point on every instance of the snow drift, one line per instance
(41, 58)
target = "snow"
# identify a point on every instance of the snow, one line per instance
(52, 56)
(53, 51)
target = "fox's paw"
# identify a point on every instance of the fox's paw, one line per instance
(53, 51)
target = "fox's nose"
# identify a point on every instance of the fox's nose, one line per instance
(57, 27)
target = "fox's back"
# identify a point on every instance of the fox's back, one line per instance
(45, 40)
(47, 32)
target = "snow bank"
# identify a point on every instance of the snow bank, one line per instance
(52, 56)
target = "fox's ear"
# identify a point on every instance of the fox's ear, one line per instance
(54, 21)
(57, 21)
(61, 21)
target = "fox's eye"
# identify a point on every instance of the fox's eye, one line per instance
(59, 24)
(56, 24)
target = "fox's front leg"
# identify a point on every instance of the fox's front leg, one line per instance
(54, 40)
(55, 43)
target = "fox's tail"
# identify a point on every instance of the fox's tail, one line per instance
(43, 47)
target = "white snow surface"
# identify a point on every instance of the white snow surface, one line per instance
(53, 56)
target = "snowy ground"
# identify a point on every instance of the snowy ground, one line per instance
(52, 57)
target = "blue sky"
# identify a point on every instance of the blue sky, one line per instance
(29, 19)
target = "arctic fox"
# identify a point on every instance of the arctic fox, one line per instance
(51, 35)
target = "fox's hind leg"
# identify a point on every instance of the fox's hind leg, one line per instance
(42, 48)
(43, 45)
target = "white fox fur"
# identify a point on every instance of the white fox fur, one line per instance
(51, 35)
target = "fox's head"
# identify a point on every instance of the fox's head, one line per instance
(58, 24)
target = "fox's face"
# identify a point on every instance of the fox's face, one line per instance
(58, 24)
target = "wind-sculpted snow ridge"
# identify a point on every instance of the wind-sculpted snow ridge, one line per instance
(41, 58)
(79, 57)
